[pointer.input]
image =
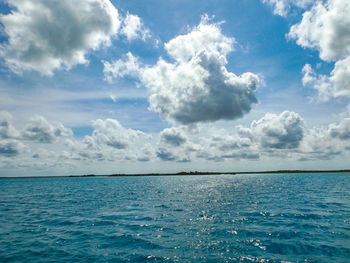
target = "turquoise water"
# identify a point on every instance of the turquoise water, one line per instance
(218, 218)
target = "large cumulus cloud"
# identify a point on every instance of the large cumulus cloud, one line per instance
(48, 35)
(196, 86)
(199, 90)
(283, 131)
(326, 28)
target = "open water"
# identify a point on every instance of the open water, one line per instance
(215, 218)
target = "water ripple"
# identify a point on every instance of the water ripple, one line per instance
(226, 218)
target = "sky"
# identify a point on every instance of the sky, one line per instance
(104, 86)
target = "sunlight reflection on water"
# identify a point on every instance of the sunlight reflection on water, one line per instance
(214, 218)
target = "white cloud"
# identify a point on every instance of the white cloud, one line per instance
(326, 27)
(196, 87)
(319, 82)
(177, 144)
(49, 35)
(341, 130)
(40, 130)
(11, 148)
(204, 37)
(173, 136)
(272, 137)
(181, 154)
(129, 65)
(166, 155)
(110, 141)
(283, 131)
(133, 28)
(44, 154)
(207, 143)
(111, 133)
(200, 90)
(333, 86)
(113, 97)
(323, 143)
(146, 153)
(282, 7)
(340, 77)
(7, 130)
(221, 144)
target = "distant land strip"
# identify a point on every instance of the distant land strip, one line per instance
(217, 173)
(187, 173)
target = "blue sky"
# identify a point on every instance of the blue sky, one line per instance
(164, 86)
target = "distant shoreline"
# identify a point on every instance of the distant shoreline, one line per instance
(185, 173)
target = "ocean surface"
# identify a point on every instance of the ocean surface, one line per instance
(214, 218)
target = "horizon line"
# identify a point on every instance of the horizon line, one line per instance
(182, 173)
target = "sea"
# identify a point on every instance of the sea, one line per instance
(211, 218)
